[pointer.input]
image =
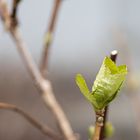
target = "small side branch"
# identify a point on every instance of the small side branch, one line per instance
(44, 129)
(14, 20)
(4, 14)
(49, 37)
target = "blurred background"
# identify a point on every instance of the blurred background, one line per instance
(86, 32)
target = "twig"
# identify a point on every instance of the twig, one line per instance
(43, 85)
(113, 57)
(49, 37)
(4, 14)
(44, 129)
(14, 20)
(98, 124)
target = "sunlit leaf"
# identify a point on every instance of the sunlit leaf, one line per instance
(106, 85)
(108, 82)
(80, 81)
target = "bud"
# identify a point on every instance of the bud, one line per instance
(106, 85)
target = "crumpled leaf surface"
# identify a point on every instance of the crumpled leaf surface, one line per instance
(106, 85)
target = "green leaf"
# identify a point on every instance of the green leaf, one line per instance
(108, 82)
(106, 86)
(80, 81)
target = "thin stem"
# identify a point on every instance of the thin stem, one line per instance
(97, 131)
(26, 57)
(44, 86)
(14, 20)
(49, 37)
(4, 14)
(98, 124)
(113, 57)
(44, 129)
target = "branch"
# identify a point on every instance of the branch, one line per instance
(14, 13)
(45, 130)
(49, 37)
(98, 125)
(113, 57)
(44, 86)
(4, 14)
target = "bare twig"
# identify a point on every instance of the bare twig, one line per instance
(43, 85)
(4, 14)
(49, 37)
(45, 130)
(113, 57)
(14, 20)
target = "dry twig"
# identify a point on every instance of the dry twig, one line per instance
(44, 129)
(14, 20)
(44, 86)
(49, 37)
(4, 14)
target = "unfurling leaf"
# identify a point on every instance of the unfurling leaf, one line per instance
(106, 86)
(80, 81)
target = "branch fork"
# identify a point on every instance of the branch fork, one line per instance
(42, 84)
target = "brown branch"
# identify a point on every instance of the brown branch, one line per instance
(14, 20)
(98, 125)
(49, 37)
(44, 86)
(97, 133)
(4, 14)
(44, 129)
(113, 57)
